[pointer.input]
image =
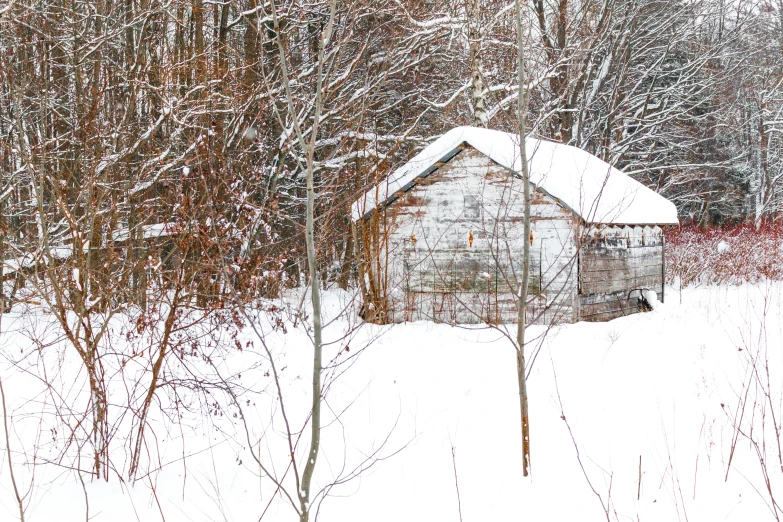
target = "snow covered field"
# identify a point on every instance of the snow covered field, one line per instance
(670, 415)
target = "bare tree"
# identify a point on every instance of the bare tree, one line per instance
(524, 283)
(308, 148)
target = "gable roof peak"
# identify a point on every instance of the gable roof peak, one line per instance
(593, 189)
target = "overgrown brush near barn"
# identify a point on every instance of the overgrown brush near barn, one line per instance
(728, 255)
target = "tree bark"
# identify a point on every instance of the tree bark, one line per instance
(478, 99)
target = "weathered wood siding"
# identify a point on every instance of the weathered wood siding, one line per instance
(615, 265)
(436, 273)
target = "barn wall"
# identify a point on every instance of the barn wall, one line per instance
(615, 264)
(435, 273)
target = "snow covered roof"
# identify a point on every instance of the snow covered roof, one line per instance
(590, 187)
(148, 231)
(11, 266)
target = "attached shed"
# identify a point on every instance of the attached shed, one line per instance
(442, 236)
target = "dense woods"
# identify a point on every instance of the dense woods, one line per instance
(144, 139)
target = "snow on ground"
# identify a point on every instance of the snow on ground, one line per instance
(439, 406)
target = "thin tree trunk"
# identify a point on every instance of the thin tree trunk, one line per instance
(2, 264)
(251, 50)
(315, 292)
(19, 499)
(480, 117)
(523, 289)
(198, 41)
(345, 270)
(156, 368)
(99, 424)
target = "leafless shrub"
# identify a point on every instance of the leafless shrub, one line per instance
(729, 255)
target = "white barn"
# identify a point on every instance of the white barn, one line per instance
(441, 237)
